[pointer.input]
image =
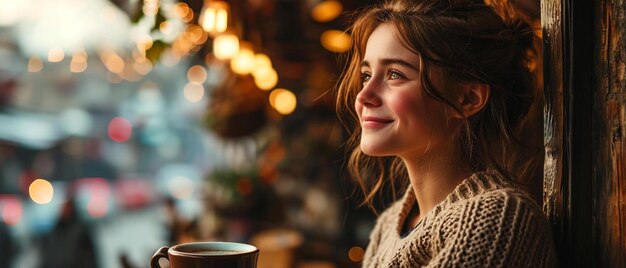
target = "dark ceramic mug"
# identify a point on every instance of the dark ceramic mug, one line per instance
(207, 255)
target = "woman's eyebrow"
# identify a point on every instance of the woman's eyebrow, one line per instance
(390, 61)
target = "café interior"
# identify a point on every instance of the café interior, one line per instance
(127, 125)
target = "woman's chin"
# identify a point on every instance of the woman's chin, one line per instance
(373, 151)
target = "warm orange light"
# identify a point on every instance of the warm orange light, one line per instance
(336, 41)
(225, 46)
(181, 9)
(78, 67)
(262, 61)
(143, 67)
(196, 34)
(265, 79)
(41, 191)
(326, 11)
(243, 62)
(144, 43)
(193, 92)
(197, 74)
(283, 100)
(79, 62)
(56, 55)
(356, 254)
(214, 16)
(112, 61)
(35, 64)
(165, 27)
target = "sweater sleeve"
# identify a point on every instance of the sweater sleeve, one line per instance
(501, 229)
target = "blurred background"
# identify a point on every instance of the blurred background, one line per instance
(126, 125)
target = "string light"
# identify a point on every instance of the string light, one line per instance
(214, 17)
(283, 100)
(243, 62)
(225, 46)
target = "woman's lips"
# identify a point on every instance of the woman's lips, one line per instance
(372, 122)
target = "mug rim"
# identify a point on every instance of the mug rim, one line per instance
(174, 250)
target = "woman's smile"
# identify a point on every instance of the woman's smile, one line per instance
(372, 122)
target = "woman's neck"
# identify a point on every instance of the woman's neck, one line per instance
(432, 181)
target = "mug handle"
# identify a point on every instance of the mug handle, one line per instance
(161, 253)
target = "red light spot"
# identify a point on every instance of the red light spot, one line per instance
(120, 129)
(12, 211)
(97, 207)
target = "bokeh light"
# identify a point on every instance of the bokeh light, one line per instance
(35, 64)
(41, 191)
(214, 16)
(181, 9)
(11, 210)
(326, 11)
(112, 61)
(283, 100)
(120, 129)
(193, 92)
(144, 42)
(243, 62)
(197, 74)
(225, 46)
(262, 61)
(55, 55)
(336, 41)
(97, 206)
(265, 78)
(79, 62)
(356, 254)
(143, 66)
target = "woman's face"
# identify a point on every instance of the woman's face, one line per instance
(397, 117)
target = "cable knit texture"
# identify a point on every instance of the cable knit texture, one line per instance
(484, 222)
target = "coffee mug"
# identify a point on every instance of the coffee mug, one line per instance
(207, 254)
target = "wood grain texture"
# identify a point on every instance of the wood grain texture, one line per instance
(551, 25)
(584, 123)
(609, 222)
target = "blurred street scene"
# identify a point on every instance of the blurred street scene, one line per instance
(127, 125)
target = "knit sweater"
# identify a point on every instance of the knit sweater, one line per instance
(484, 222)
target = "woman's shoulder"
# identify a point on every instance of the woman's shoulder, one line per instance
(495, 209)
(504, 196)
(502, 219)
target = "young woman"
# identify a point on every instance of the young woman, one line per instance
(437, 88)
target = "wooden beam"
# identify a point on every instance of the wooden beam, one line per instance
(609, 173)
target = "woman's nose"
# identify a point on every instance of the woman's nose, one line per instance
(368, 96)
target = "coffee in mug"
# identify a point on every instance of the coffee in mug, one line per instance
(207, 254)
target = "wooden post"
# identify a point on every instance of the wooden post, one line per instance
(609, 166)
(584, 115)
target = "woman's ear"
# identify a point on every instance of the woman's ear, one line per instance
(472, 98)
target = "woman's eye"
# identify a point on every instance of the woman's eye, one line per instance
(365, 77)
(393, 75)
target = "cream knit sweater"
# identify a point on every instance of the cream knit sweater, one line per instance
(484, 222)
